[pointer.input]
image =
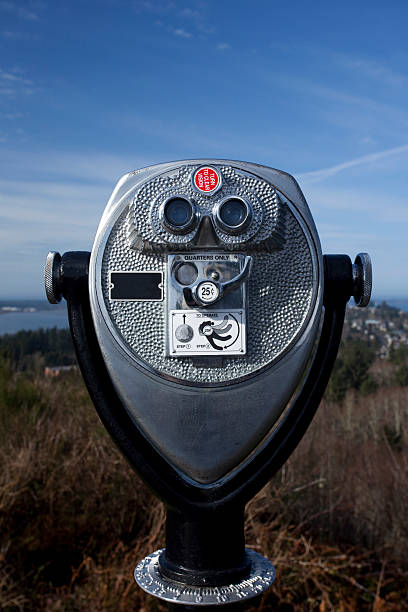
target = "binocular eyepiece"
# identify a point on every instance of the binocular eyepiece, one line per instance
(204, 301)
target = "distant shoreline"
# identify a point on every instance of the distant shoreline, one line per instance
(34, 315)
(30, 320)
(30, 306)
(7, 306)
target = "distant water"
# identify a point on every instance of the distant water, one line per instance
(13, 322)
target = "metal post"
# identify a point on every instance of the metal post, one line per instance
(206, 549)
(205, 563)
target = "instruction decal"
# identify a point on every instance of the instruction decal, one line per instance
(205, 332)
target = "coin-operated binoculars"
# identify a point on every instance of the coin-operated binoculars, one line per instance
(204, 301)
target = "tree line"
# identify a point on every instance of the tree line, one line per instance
(31, 350)
(50, 347)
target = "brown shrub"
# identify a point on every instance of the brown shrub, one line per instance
(347, 479)
(75, 519)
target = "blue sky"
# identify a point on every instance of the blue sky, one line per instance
(92, 90)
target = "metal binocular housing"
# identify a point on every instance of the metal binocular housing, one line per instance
(206, 322)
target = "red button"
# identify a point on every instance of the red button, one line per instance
(206, 179)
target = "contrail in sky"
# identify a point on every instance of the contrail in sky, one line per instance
(319, 175)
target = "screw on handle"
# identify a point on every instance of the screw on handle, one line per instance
(362, 279)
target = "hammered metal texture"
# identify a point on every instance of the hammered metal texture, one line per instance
(146, 231)
(148, 576)
(280, 297)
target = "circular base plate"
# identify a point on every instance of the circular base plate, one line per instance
(148, 577)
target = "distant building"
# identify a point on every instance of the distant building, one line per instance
(56, 370)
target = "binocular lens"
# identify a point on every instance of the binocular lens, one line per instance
(178, 212)
(233, 213)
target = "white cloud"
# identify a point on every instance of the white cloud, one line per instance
(54, 201)
(8, 91)
(182, 33)
(7, 76)
(36, 217)
(14, 35)
(155, 7)
(223, 46)
(341, 96)
(364, 220)
(196, 16)
(374, 112)
(319, 175)
(190, 13)
(14, 78)
(54, 167)
(367, 140)
(372, 69)
(12, 116)
(23, 12)
(13, 84)
(29, 204)
(199, 17)
(9, 7)
(375, 209)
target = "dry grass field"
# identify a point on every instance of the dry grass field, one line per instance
(75, 519)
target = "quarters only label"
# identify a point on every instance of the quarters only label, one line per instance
(220, 332)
